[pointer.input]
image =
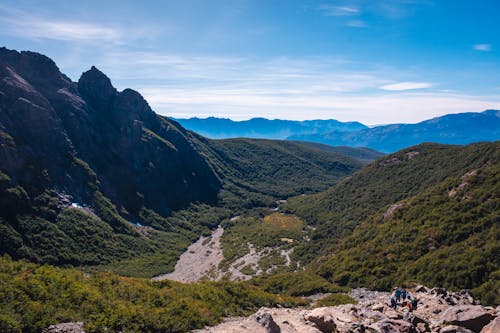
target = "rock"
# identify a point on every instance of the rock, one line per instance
(395, 326)
(492, 327)
(455, 329)
(323, 320)
(473, 317)
(438, 291)
(73, 327)
(421, 289)
(378, 307)
(265, 319)
(422, 328)
(392, 314)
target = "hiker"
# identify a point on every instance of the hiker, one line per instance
(393, 302)
(409, 304)
(414, 303)
(397, 294)
(404, 294)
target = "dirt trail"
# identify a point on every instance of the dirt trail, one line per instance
(201, 258)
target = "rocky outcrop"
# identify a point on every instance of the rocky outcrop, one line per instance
(473, 317)
(372, 314)
(73, 327)
(93, 144)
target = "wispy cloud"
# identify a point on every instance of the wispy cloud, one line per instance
(400, 86)
(22, 24)
(357, 24)
(287, 88)
(333, 10)
(482, 47)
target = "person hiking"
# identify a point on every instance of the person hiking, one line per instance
(397, 294)
(414, 303)
(393, 302)
(404, 294)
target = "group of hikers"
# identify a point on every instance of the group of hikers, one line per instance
(403, 298)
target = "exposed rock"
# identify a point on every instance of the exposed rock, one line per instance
(394, 326)
(421, 289)
(373, 315)
(455, 329)
(473, 317)
(265, 319)
(492, 327)
(73, 327)
(323, 319)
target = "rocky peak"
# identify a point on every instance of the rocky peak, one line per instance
(133, 104)
(96, 88)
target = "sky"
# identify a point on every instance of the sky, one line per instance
(377, 62)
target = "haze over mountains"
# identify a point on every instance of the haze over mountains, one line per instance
(460, 128)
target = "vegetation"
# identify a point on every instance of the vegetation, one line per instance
(303, 283)
(448, 235)
(274, 231)
(335, 299)
(338, 211)
(32, 297)
(258, 172)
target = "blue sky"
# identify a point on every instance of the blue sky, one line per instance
(372, 61)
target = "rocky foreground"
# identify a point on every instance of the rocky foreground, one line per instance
(438, 311)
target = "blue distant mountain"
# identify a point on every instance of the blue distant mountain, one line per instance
(462, 128)
(222, 128)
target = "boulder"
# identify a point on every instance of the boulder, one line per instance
(378, 307)
(455, 329)
(492, 327)
(323, 320)
(394, 326)
(473, 317)
(264, 318)
(421, 289)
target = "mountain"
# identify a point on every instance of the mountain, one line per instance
(462, 128)
(91, 175)
(222, 128)
(428, 213)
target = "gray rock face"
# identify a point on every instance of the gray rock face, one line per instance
(473, 317)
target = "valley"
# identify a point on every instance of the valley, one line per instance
(122, 219)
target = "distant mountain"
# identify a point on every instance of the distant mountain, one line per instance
(462, 128)
(221, 128)
(85, 168)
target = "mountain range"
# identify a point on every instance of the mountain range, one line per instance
(93, 178)
(223, 128)
(462, 128)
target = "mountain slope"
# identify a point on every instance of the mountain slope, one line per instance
(221, 128)
(336, 212)
(90, 175)
(447, 235)
(460, 128)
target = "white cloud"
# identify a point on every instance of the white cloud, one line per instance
(357, 24)
(332, 10)
(400, 86)
(22, 24)
(482, 47)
